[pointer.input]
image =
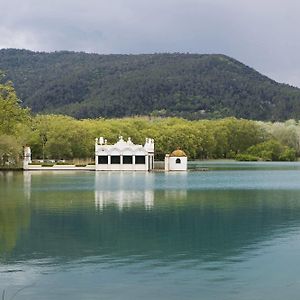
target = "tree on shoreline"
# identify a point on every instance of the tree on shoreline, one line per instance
(14, 121)
(11, 113)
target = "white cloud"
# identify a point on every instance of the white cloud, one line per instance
(11, 38)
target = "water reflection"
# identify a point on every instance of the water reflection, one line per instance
(27, 184)
(123, 190)
(15, 213)
(165, 236)
(123, 215)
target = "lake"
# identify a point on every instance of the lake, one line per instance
(232, 232)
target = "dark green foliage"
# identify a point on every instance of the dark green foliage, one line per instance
(288, 154)
(271, 150)
(246, 157)
(14, 126)
(10, 151)
(12, 116)
(47, 165)
(192, 86)
(68, 138)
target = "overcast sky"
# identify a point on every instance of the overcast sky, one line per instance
(263, 34)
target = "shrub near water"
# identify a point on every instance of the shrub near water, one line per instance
(246, 157)
(268, 151)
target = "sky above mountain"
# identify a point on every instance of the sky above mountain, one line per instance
(261, 33)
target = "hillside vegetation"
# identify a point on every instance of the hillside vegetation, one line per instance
(63, 137)
(183, 85)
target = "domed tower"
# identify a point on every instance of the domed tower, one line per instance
(176, 161)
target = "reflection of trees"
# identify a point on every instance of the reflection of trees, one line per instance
(14, 213)
(190, 224)
(194, 224)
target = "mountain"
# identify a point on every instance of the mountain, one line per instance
(188, 85)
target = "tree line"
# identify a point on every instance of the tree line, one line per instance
(64, 137)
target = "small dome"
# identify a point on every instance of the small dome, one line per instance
(178, 153)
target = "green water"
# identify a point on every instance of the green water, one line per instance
(230, 233)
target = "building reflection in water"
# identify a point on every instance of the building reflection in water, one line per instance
(176, 195)
(27, 184)
(124, 189)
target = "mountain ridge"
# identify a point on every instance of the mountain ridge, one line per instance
(193, 86)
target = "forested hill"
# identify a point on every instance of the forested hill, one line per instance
(187, 85)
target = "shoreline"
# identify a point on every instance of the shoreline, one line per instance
(204, 165)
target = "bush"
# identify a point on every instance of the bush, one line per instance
(268, 151)
(288, 155)
(60, 163)
(246, 157)
(10, 151)
(80, 165)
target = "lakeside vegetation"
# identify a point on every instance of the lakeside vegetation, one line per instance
(63, 137)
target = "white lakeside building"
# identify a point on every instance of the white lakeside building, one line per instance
(176, 161)
(124, 155)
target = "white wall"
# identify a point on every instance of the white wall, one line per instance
(173, 166)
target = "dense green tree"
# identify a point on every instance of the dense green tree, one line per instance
(14, 125)
(272, 150)
(57, 136)
(63, 137)
(12, 115)
(287, 133)
(10, 151)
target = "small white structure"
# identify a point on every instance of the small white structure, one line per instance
(176, 161)
(27, 158)
(124, 155)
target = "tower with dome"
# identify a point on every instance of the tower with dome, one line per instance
(176, 161)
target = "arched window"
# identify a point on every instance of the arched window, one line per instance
(178, 161)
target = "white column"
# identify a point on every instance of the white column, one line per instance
(108, 162)
(96, 161)
(96, 158)
(27, 158)
(167, 168)
(147, 162)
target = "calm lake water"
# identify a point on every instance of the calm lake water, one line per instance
(230, 233)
